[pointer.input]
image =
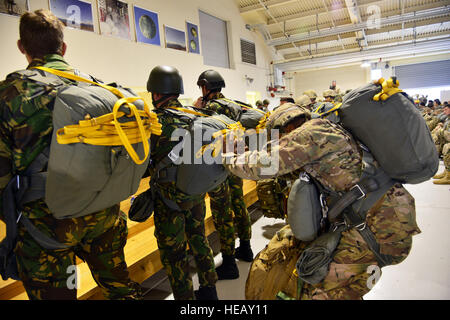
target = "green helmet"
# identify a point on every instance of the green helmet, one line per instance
(265, 101)
(165, 80)
(285, 114)
(211, 79)
(259, 103)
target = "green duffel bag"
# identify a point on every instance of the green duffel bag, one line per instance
(386, 121)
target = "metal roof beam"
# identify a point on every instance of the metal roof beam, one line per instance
(267, 4)
(408, 17)
(427, 47)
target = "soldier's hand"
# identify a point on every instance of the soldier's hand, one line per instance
(199, 103)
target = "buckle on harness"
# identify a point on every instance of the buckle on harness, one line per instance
(360, 190)
(361, 226)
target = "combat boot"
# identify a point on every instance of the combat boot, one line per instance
(444, 180)
(244, 252)
(228, 270)
(439, 175)
(206, 293)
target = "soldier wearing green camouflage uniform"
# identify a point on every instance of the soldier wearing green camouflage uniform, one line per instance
(441, 138)
(228, 198)
(25, 130)
(177, 227)
(330, 155)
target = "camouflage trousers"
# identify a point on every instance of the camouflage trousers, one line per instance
(173, 231)
(98, 239)
(225, 200)
(441, 138)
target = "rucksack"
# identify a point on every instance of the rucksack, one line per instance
(272, 272)
(386, 121)
(90, 168)
(192, 164)
(248, 116)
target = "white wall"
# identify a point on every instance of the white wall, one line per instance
(129, 62)
(349, 77)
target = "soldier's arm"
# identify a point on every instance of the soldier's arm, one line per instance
(290, 153)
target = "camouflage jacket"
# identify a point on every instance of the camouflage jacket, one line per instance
(324, 150)
(329, 154)
(162, 145)
(26, 125)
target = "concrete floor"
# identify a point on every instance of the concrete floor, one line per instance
(425, 274)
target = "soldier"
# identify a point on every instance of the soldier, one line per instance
(259, 105)
(331, 156)
(229, 196)
(25, 130)
(266, 105)
(441, 138)
(177, 226)
(329, 95)
(312, 95)
(304, 101)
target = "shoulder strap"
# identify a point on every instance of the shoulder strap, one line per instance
(39, 77)
(357, 202)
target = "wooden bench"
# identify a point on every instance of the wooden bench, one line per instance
(141, 251)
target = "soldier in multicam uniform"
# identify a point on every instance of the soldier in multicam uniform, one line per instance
(312, 95)
(177, 227)
(304, 101)
(441, 138)
(329, 95)
(25, 130)
(229, 196)
(330, 155)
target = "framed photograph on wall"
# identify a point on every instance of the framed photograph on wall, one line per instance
(74, 13)
(175, 38)
(14, 7)
(114, 19)
(147, 26)
(193, 42)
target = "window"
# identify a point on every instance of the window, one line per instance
(248, 52)
(424, 75)
(214, 39)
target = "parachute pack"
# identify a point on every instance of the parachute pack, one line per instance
(197, 155)
(100, 144)
(385, 120)
(248, 116)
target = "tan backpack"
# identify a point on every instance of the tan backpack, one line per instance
(272, 273)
